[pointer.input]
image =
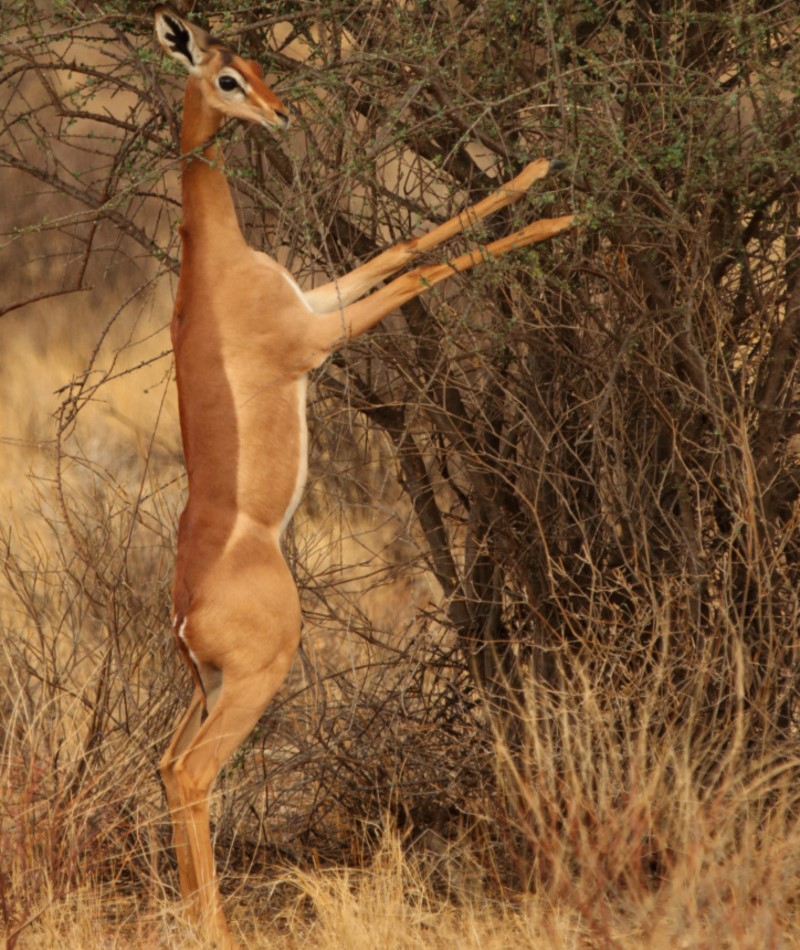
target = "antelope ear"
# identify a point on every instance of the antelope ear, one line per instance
(181, 40)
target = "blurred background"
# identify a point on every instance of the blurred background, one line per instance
(548, 552)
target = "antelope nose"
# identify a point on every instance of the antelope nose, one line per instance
(283, 119)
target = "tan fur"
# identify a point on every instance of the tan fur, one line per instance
(244, 337)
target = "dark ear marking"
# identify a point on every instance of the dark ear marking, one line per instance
(179, 39)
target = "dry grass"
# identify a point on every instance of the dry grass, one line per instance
(628, 841)
(648, 798)
(727, 876)
(620, 835)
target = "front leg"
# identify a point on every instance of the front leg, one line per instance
(345, 290)
(327, 332)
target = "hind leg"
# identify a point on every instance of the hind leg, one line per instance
(235, 700)
(184, 733)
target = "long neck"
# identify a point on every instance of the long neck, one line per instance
(208, 211)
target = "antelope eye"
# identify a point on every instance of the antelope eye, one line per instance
(227, 83)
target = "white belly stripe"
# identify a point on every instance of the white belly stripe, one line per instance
(302, 461)
(186, 644)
